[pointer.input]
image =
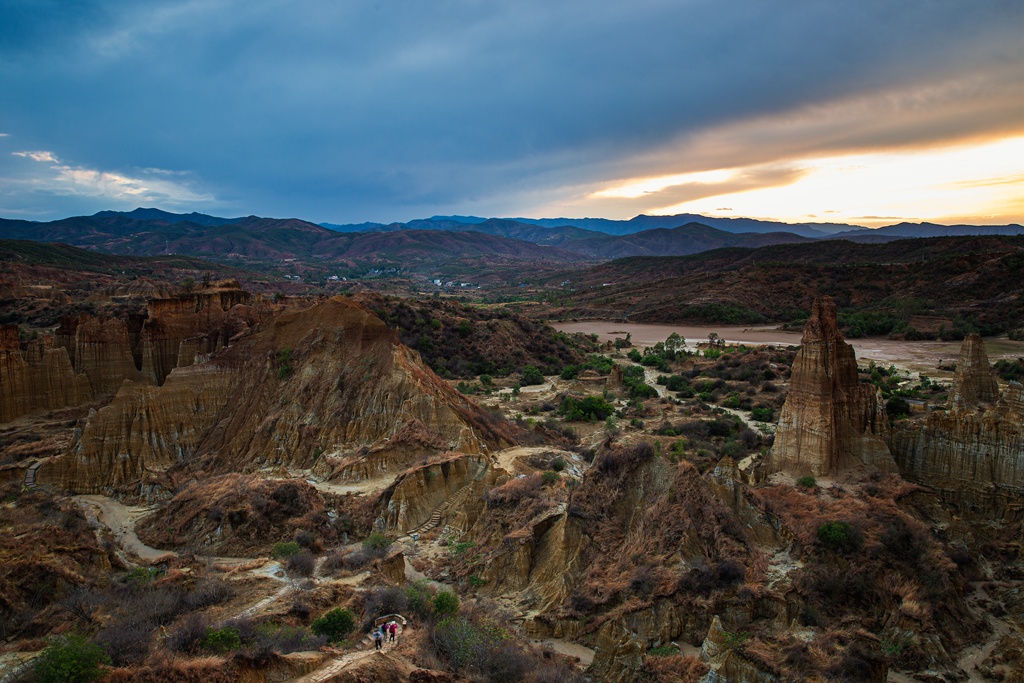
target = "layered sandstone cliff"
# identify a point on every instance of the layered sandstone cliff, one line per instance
(88, 357)
(38, 378)
(145, 429)
(973, 452)
(330, 379)
(201, 322)
(830, 420)
(102, 350)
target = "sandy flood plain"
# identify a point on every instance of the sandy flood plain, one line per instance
(916, 356)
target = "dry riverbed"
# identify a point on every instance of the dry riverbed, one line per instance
(916, 356)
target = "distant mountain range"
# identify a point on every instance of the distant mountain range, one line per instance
(152, 232)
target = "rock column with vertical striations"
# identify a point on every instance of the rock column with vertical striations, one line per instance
(37, 379)
(830, 420)
(974, 382)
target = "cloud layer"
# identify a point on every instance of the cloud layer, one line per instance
(393, 109)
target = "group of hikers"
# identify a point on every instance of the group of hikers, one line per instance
(384, 633)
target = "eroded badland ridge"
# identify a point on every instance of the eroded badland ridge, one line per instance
(220, 484)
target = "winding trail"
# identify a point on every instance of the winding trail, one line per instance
(335, 666)
(651, 376)
(974, 655)
(569, 649)
(120, 519)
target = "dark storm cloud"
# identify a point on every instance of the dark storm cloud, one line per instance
(391, 109)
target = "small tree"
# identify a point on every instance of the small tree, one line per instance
(335, 624)
(674, 344)
(418, 595)
(70, 659)
(221, 640)
(840, 536)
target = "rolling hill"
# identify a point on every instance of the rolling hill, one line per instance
(973, 279)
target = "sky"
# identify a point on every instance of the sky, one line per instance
(870, 112)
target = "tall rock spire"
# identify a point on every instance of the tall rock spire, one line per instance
(974, 382)
(830, 420)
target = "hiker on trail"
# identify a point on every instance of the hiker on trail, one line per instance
(393, 630)
(378, 637)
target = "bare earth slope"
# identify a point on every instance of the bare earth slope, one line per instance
(331, 379)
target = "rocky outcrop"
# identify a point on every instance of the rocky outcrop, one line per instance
(972, 454)
(38, 378)
(728, 663)
(327, 379)
(830, 420)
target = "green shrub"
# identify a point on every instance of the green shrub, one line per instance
(549, 477)
(420, 601)
(531, 376)
(734, 639)
(807, 482)
(762, 414)
(839, 536)
(602, 365)
(677, 383)
(461, 548)
(221, 640)
(284, 363)
(897, 407)
(589, 409)
(285, 549)
(558, 464)
(457, 640)
(446, 603)
(653, 360)
(70, 659)
(143, 575)
(335, 624)
(663, 651)
(377, 544)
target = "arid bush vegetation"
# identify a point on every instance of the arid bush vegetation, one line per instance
(460, 341)
(254, 515)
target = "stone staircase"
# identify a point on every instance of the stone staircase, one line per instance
(435, 518)
(30, 476)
